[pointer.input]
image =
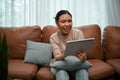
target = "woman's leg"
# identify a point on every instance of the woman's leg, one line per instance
(62, 75)
(81, 74)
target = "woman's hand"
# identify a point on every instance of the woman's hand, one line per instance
(60, 57)
(81, 55)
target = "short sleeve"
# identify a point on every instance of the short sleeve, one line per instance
(55, 46)
(78, 34)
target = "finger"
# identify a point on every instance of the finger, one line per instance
(83, 50)
(76, 54)
(84, 58)
(82, 54)
(80, 57)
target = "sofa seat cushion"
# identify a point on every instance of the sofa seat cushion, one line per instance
(115, 63)
(99, 69)
(20, 70)
(44, 73)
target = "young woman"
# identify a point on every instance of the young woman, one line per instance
(58, 41)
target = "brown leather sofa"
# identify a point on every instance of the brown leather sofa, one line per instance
(101, 70)
(111, 46)
(17, 37)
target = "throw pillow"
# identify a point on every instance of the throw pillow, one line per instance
(38, 53)
(72, 65)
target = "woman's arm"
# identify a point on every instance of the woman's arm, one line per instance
(58, 55)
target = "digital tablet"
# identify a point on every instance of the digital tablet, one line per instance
(75, 45)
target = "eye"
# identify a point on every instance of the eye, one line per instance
(63, 21)
(70, 21)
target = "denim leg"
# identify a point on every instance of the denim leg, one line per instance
(81, 74)
(53, 70)
(62, 75)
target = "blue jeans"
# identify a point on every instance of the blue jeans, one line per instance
(81, 74)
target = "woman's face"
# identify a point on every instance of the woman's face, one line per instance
(64, 23)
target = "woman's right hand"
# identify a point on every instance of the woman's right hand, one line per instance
(60, 57)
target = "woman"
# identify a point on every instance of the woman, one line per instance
(58, 41)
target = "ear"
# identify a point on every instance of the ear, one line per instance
(56, 23)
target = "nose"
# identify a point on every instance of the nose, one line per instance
(67, 23)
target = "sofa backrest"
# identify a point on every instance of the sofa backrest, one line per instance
(88, 30)
(17, 36)
(111, 42)
(47, 31)
(93, 31)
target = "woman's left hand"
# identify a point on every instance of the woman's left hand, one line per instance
(81, 55)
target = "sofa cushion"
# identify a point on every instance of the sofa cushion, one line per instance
(115, 63)
(99, 69)
(17, 37)
(93, 31)
(19, 70)
(111, 42)
(44, 73)
(47, 32)
(38, 53)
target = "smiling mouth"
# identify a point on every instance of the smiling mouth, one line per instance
(66, 30)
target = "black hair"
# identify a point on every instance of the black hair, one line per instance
(60, 13)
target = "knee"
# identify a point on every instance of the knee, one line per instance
(62, 75)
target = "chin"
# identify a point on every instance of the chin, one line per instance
(66, 33)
